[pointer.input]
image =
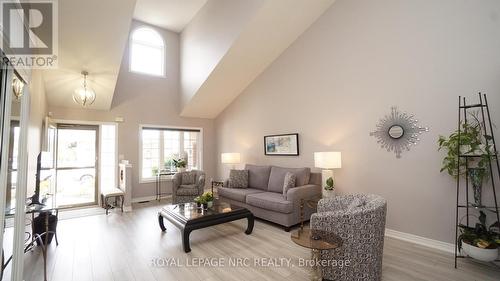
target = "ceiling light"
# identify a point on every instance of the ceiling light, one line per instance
(84, 96)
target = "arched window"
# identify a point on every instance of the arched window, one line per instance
(147, 52)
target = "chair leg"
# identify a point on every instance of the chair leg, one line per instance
(106, 205)
(122, 198)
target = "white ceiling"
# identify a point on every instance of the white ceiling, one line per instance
(173, 15)
(92, 37)
(272, 29)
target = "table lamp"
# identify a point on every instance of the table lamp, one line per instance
(327, 161)
(230, 158)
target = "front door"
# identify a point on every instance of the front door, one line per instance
(76, 165)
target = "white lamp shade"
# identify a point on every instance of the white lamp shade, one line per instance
(230, 158)
(328, 160)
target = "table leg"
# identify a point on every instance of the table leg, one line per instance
(250, 219)
(185, 239)
(46, 246)
(160, 221)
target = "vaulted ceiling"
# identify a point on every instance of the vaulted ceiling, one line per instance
(225, 45)
(92, 37)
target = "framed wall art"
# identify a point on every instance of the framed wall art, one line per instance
(282, 145)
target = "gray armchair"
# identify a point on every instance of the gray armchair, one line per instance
(187, 186)
(359, 220)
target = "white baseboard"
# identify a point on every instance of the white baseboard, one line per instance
(419, 240)
(148, 198)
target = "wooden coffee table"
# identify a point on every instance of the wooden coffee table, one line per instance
(188, 217)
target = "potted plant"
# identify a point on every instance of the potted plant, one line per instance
(329, 188)
(198, 201)
(154, 170)
(480, 242)
(209, 198)
(180, 164)
(469, 142)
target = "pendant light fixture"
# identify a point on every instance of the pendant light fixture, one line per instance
(84, 96)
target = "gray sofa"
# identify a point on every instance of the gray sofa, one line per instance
(264, 195)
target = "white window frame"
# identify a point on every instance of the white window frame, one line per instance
(168, 178)
(131, 47)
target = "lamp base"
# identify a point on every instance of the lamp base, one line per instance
(325, 175)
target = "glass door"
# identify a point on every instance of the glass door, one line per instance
(76, 165)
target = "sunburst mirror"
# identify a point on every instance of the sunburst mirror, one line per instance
(398, 131)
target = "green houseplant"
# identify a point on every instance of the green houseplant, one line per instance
(480, 242)
(180, 164)
(470, 141)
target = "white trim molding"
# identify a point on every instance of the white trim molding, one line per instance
(419, 240)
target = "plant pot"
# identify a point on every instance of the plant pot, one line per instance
(328, 193)
(476, 176)
(486, 255)
(210, 204)
(181, 170)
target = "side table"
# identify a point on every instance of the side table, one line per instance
(316, 241)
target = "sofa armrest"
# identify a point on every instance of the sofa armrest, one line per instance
(303, 192)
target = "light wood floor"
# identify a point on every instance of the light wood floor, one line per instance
(122, 247)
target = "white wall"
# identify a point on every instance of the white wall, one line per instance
(343, 74)
(207, 38)
(143, 99)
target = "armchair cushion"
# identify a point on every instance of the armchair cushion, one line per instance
(187, 189)
(270, 201)
(277, 177)
(238, 179)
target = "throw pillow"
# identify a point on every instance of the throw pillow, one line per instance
(188, 178)
(290, 179)
(238, 178)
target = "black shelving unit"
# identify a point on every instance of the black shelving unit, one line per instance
(487, 129)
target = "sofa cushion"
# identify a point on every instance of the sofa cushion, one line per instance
(258, 176)
(238, 179)
(187, 189)
(277, 177)
(237, 194)
(270, 201)
(290, 179)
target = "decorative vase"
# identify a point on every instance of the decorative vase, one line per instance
(486, 255)
(181, 170)
(476, 176)
(210, 204)
(328, 193)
